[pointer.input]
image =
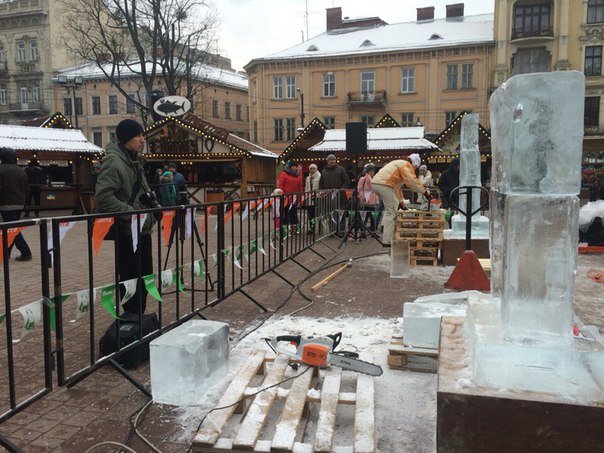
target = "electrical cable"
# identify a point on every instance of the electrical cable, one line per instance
(109, 442)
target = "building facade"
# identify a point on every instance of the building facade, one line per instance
(556, 35)
(421, 73)
(30, 32)
(95, 106)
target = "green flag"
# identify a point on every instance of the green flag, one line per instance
(149, 281)
(178, 281)
(2, 318)
(53, 316)
(107, 299)
(253, 246)
(375, 215)
(285, 231)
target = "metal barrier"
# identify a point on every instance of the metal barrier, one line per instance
(202, 255)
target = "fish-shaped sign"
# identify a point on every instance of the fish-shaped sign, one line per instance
(172, 106)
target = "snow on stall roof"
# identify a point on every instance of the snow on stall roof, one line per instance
(402, 36)
(201, 71)
(386, 138)
(45, 139)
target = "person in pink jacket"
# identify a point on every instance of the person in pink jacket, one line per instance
(290, 182)
(388, 183)
(368, 200)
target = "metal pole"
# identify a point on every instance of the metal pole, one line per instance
(468, 215)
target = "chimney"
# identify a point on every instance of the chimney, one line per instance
(334, 18)
(426, 13)
(455, 11)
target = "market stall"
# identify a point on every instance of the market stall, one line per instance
(215, 163)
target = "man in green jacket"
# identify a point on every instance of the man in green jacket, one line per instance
(335, 177)
(122, 187)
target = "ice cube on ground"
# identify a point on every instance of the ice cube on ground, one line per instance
(480, 226)
(421, 322)
(537, 138)
(188, 360)
(399, 259)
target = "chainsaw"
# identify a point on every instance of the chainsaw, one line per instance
(320, 352)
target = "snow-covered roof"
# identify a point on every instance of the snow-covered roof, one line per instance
(378, 139)
(202, 72)
(394, 37)
(25, 138)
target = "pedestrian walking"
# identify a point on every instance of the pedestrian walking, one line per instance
(335, 177)
(35, 179)
(312, 185)
(13, 195)
(168, 195)
(181, 185)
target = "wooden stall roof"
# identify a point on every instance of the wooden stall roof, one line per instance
(210, 131)
(25, 138)
(56, 121)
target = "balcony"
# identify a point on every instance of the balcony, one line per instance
(367, 98)
(524, 33)
(26, 108)
(593, 131)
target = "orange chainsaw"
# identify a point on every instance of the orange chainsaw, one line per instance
(320, 352)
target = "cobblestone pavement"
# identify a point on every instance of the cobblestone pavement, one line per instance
(99, 407)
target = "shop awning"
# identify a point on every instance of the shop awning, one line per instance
(25, 138)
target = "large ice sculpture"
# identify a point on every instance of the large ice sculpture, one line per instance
(469, 175)
(536, 148)
(188, 360)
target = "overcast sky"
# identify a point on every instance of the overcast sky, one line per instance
(256, 28)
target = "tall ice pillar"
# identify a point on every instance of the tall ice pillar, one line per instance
(537, 135)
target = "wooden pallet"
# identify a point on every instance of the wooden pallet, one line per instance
(424, 244)
(423, 261)
(424, 215)
(403, 357)
(420, 224)
(212, 435)
(423, 252)
(417, 234)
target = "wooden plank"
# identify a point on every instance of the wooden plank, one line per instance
(209, 431)
(331, 276)
(257, 414)
(364, 420)
(287, 426)
(326, 424)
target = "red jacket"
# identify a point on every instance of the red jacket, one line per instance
(290, 183)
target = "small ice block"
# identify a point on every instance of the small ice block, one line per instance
(399, 259)
(421, 322)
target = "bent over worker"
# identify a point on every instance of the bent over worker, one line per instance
(388, 182)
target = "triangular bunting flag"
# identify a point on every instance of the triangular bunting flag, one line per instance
(189, 220)
(237, 257)
(167, 278)
(178, 278)
(130, 286)
(261, 246)
(100, 229)
(11, 234)
(83, 298)
(32, 316)
(167, 218)
(52, 313)
(149, 281)
(134, 228)
(107, 299)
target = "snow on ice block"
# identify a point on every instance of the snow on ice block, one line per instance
(188, 360)
(421, 322)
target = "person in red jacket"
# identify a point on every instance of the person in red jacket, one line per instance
(290, 182)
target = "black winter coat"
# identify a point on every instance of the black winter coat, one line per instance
(13, 187)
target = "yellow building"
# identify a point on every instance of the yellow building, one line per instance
(96, 107)
(30, 32)
(554, 35)
(423, 72)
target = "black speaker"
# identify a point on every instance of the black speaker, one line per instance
(356, 138)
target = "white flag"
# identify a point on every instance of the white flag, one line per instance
(130, 286)
(83, 298)
(188, 222)
(167, 278)
(32, 316)
(135, 230)
(260, 246)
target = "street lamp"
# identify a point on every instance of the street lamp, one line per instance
(71, 84)
(301, 107)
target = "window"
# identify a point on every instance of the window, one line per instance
(238, 116)
(112, 137)
(536, 59)
(2, 54)
(227, 110)
(67, 107)
(367, 82)
(592, 111)
(595, 11)
(23, 95)
(20, 52)
(290, 87)
(247, 113)
(33, 50)
(407, 119)
(277, 88)
(329, 84)
(96, 105)
(407, 80)
(278, 130)
(467, 73)
(451, 77)
(97, 139)
(35, 93)
(449, 117)
(113, 104)
(255, 128)
(290, 126)
(330, 122)
(369, 120)
(254, 91)
(593, 60)
(3, 96)
(531, 20)
(130, 105)
(215, 112)
(78, 106)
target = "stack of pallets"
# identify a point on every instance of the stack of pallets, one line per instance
(424, 231)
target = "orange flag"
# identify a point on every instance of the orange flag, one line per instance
(166, 222)
(348, 193)
(230, 213)
(99, 231)
(11, 234)
(203, 223)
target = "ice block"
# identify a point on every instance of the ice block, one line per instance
(421, 322)
(399, 259)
